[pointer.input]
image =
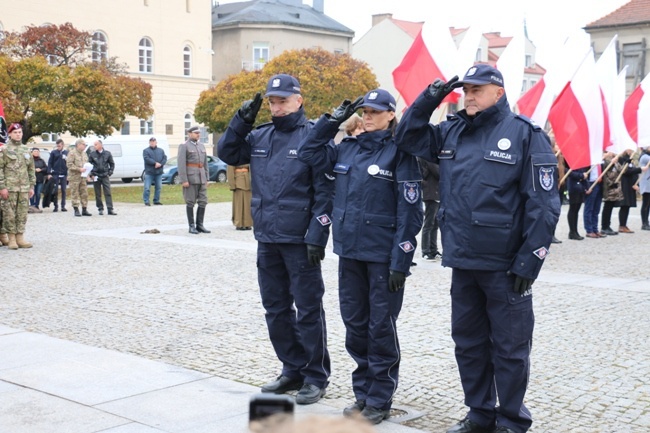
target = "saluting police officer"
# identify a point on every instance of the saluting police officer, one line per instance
(17, 180)
(499, 206)
(194, 175)
(377, 214)
(291, 217)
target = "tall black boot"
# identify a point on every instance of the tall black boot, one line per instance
(76, 211)
(190, 219)
(200, 213)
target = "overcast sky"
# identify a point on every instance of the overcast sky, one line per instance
(549, 22)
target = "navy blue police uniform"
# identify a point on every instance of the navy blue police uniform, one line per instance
(499, 208)
(291, 207)
(376, 216)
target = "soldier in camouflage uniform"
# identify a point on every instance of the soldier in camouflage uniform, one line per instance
(17, 180)
(77, 178)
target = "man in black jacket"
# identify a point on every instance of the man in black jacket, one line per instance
(57, 169)
(154, 161)
(103, 167)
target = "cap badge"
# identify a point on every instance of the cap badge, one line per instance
(373, 96)
(471, 71)
(276, 83)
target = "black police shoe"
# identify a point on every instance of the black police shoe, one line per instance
(309, 393)
(282, 384)
(375, 415)
(608, 231)
(469, 426)
(503, 429)
(355, 408)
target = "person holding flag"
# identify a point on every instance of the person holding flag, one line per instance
(499, 205)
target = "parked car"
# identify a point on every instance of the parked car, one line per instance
(216, 167)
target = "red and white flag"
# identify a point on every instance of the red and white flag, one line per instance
(637, 106)
(432, 55)
(537, 101)
(511, 64)
(579, 117)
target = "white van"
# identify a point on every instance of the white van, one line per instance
(127, 153)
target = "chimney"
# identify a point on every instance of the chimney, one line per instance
(319, 6)
(376, 19)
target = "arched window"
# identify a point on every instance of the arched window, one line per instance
(99, 47)
(187, 123)
(187, 61)
(145, 56)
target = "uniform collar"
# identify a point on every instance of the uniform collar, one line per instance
(290, 121)
(489, 116)
(375, 139)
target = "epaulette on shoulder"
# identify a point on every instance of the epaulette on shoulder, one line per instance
(264, 125)
(528, 120)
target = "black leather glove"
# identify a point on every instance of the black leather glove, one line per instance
(522, 285)
(250, 108)
(315, 254)
(439, 89)
(345, 110)
(396, 281)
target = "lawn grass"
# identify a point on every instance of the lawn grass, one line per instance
(170, 194)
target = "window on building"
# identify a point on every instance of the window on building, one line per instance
(523, 86)
(204, 135)
(145, 56)
(126, 128)
(479, 54)
(260, 55)
(338, 51)
(632, 59)
(532, 83)
(146, 126)
(187, 61)
(529, 60)
(99, 47)
(187, 123)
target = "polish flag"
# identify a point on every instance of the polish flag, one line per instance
(579, 117)
(537, 101)
(432, 55)
(637, 106)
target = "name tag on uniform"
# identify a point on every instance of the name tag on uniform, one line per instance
(293, 153)
(260, 152)
(447, 154)
(500, 156)
(341, 168)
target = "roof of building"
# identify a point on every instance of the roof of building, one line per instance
(633, 13)
(274, 12)
(495, 40)
(411, 28)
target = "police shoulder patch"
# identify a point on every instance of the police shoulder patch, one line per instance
(407, 247)
(546, 178)
(324, 220)
(528, 121)
(541, 253)
(411, 192)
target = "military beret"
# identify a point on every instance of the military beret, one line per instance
(13, 127)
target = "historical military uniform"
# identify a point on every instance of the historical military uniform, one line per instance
(18, 177)
(239, 180)
(77, 180)
(193, 168)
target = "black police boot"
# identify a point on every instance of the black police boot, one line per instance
(76, 211)
(469, 426)
(190, 219)
(200, 213)
(375, 415)
(84, 212)
(282, 384)
(355, 408)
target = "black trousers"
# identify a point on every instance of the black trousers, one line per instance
(103, 183)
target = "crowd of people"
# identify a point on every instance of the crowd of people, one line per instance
(487, 178)
(615, 183)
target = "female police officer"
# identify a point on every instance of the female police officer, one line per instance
(376, 215)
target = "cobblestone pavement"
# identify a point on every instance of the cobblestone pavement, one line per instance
(193, 301)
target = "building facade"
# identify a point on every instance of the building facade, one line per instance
(631, 22)
(246, 35)
(167, 43)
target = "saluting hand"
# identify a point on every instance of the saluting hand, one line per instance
(439, 89)
(345, 110)
(250, 108)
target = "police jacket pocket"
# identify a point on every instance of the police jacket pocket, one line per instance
(490, 233)
(378, 232)
(293, 216)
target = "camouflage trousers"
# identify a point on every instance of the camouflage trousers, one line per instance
(14, 212)
(78, 190)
